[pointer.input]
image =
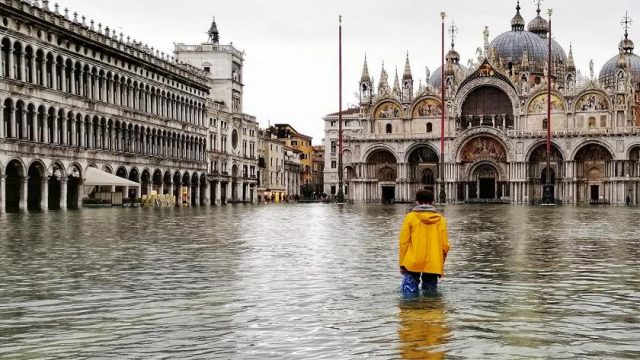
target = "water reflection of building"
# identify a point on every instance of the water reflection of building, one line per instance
(495, 126)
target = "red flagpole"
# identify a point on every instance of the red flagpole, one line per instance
(340, 194)
(549, 106)
(548, 191)
(442, 72)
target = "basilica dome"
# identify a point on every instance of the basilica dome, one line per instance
(452, 57)
(511, 45)
(626, 60)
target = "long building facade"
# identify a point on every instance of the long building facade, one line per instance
(495, 127)
(76, 95)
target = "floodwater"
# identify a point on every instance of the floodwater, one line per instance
(317, 281)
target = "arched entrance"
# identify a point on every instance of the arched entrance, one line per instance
(633, 171)
(134, 176)
(55, 188)
(591, 172)
(537, 170)
(486, 177)
(186, 187)
(177, 185)
(482, 158)
(146, 182)
(74, 183)
(382, 165)
(423, 168)
(486, 106)
(157, 181)
(35, 185)
(14, 191)
(195, 186)
(167, 189)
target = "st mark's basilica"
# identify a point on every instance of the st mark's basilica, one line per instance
(495, 126)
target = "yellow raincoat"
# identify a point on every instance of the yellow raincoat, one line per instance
(423, 241)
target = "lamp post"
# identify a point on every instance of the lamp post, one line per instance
(548, 187)
(443, 195)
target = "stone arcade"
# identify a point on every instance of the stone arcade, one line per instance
(75, 94)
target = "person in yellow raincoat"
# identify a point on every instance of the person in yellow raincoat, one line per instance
(424, 243)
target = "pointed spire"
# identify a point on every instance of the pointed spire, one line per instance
(485, 36)
(383, 84)
(517, 23)
(214, 35)
(453, 30)
(407, 70)
(365, 71)
(570, 64)
(626, 44)
(396, 83)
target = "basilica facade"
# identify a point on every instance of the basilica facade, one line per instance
(495, 121)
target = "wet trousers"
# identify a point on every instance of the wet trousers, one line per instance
(429, 281)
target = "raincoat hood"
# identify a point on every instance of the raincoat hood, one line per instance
(427, 214)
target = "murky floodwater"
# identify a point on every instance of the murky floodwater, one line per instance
(316, 281)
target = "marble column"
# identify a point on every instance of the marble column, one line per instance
(2, 134)
(197, 196)
(207, 194)
(12, 123)
(63, 194)
(44, 198)
(218, 196)
(22, 205)
(3, 193)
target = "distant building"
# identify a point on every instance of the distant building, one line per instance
(317, 170)
(351, 126)
(292, 171)
(232, 134)
(271, 158)
(301, 142)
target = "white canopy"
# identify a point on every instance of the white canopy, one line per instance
(95, 177)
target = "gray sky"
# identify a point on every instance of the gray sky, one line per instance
(291, 64)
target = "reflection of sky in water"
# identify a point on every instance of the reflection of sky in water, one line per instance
(308, 281)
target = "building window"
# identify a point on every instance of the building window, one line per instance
(429, 127)
(207, 69)
(592, 122)
(333, 147)
(294, 143)
(333, 189)
(388, 129)
(545, 123)
(333, 123)
(333, 164)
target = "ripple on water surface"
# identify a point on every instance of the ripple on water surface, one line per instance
(316, 281)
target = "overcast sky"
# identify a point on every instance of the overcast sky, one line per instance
(291, 46)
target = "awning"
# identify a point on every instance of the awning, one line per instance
(95, 177)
